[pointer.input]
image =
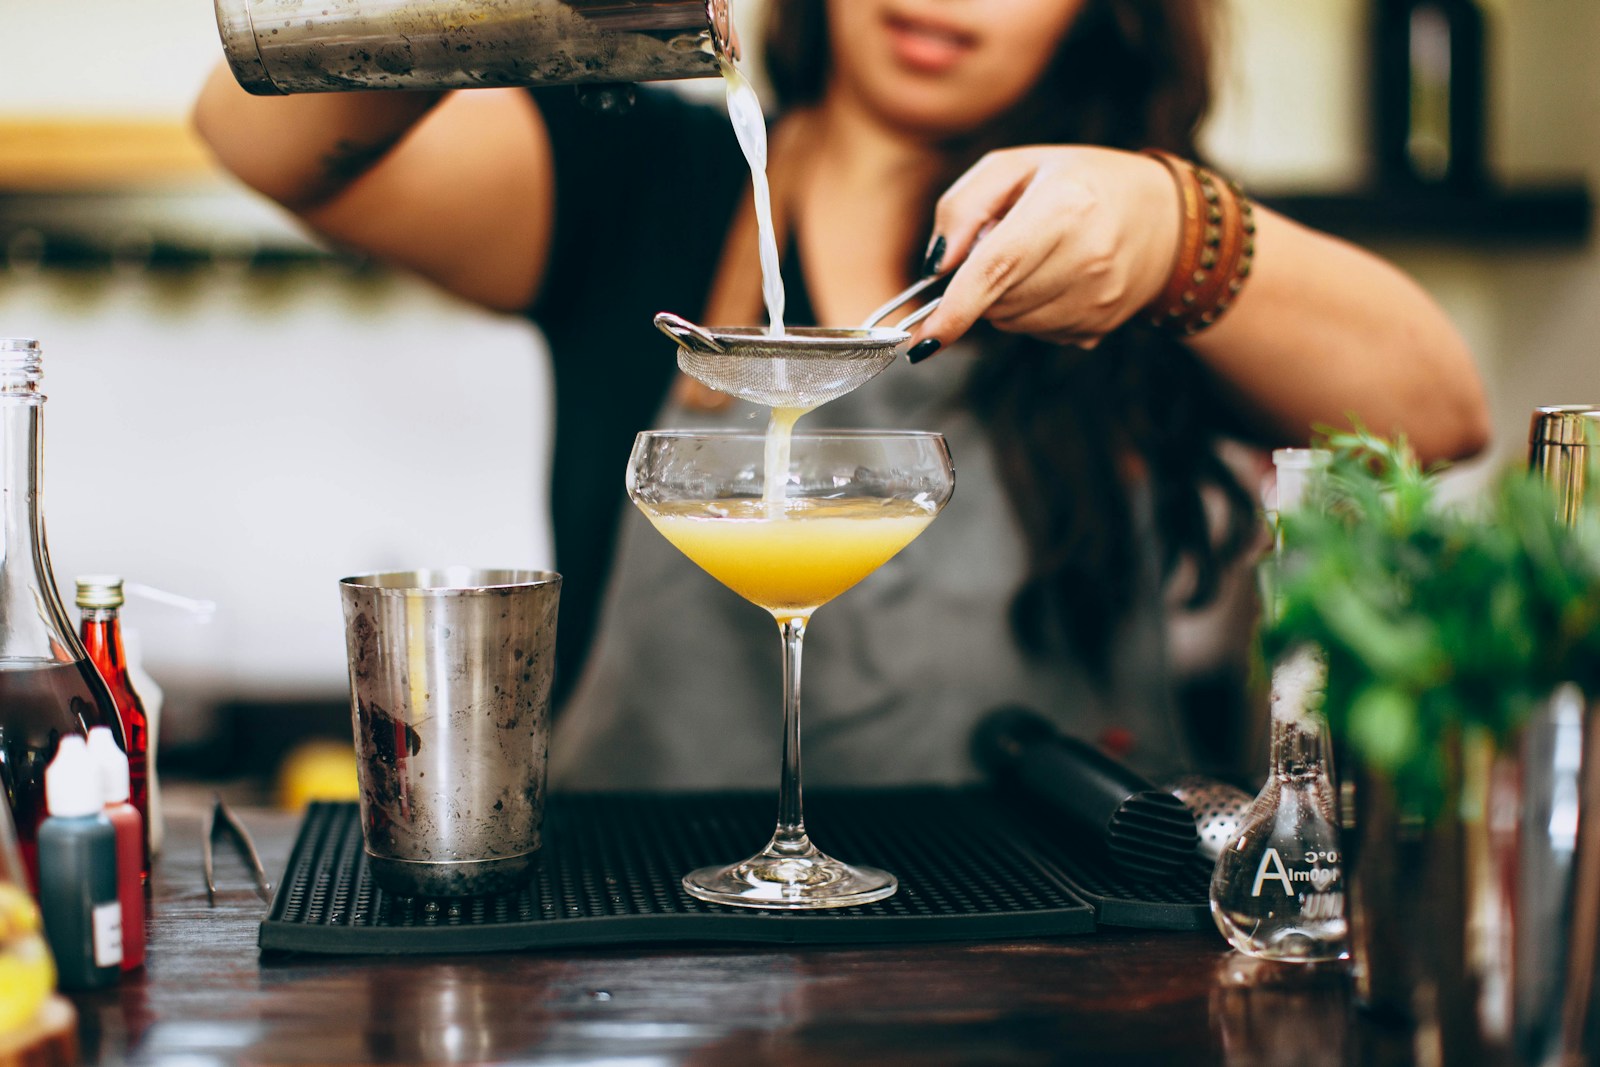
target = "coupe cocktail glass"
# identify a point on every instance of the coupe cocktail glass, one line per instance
(844, 503)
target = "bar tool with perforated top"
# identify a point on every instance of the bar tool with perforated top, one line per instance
(1148, 832)
(1219, 810)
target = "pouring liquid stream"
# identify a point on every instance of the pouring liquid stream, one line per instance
(750, 128)
(780, 435)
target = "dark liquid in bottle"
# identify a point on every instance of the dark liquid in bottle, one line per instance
(39, 704)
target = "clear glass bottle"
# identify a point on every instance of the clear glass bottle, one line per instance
(1277, 891)
(48, 686)
(100, 600)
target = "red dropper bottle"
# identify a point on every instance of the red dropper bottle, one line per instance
(100, 602)
(112, 766)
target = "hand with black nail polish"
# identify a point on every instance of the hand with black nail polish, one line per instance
(1061, 242)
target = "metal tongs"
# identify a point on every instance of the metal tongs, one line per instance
(220, 814)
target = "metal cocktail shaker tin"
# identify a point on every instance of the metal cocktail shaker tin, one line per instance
(450, 676)
(319, 46)
(1557, 909)
(1558, 451)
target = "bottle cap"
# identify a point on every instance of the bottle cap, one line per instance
(111, 763)
(71, 784)
(1296, 468)
(99, 591)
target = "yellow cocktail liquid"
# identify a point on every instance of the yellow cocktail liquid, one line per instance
(27, 973)
(793, 557)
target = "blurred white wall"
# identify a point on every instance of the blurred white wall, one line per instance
(250, 440)
(104, 58)
(1291, 102)
(1541, 345)
(1292, 115)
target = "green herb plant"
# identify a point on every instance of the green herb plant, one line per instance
(1435, 621)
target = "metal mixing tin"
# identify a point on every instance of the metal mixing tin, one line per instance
(450, 676)
(317, 46)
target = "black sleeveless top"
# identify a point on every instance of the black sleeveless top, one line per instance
(643, 202)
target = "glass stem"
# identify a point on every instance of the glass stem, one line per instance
(790, 836)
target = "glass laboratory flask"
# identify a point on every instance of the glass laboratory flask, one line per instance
(1277, 891)
(48, 686)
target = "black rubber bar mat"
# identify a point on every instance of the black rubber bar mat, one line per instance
(612, 864)
(1182, 902)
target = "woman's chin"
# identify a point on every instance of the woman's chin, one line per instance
(935, 117)
(934, 107)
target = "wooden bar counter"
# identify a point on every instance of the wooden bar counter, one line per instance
(207, 996)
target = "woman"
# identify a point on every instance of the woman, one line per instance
(1087, 438)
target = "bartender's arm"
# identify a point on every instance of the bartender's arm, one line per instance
(458, 188)
(1078, 240)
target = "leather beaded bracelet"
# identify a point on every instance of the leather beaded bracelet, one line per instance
(1216, 245)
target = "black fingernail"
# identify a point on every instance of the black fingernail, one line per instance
(935, 258)
(923, 349)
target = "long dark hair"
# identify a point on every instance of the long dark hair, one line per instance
(1075, 431)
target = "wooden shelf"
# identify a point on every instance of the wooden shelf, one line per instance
(108, 155)
(1543, 215)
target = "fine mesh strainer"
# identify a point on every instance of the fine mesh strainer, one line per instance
(802, 367)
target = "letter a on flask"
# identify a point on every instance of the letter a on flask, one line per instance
(1272, 859)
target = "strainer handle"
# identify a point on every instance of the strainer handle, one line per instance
(906, 297)
(686, 333)
(918, 315)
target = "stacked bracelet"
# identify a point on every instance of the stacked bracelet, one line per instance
(1216, 243)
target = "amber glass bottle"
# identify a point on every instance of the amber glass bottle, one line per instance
(100, 602)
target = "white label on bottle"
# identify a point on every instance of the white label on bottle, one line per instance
(108, 934)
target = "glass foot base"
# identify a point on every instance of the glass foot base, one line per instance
(790, 879)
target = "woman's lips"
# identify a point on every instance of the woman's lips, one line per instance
(929, 47)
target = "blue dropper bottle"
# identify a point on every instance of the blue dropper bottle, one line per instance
(78, 872)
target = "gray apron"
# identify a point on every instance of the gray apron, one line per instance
(683, 688)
